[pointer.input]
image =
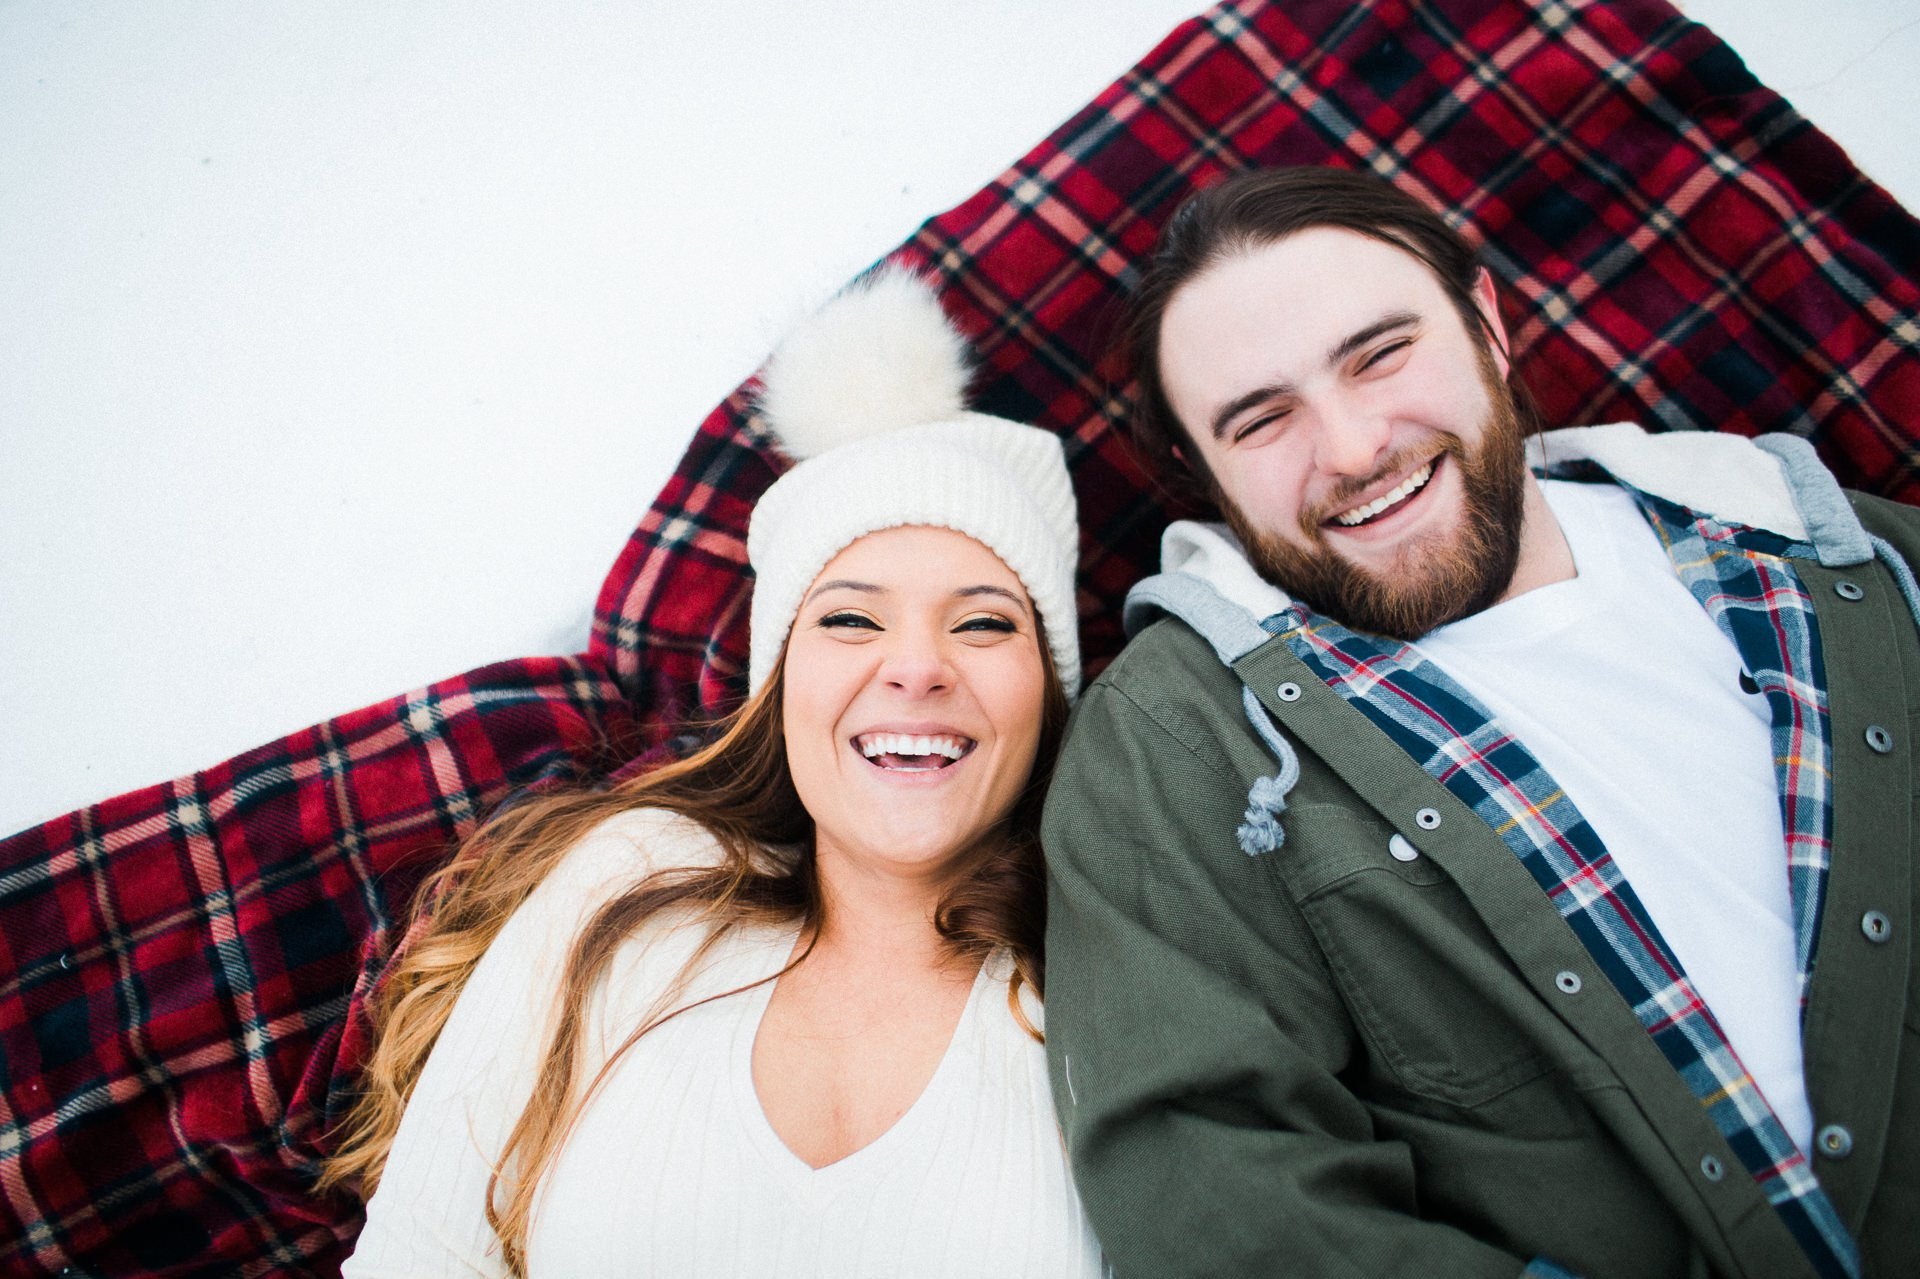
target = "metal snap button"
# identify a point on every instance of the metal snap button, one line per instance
(1879, 739)
(1568, 981)
(1401, 850)
(1876, 926)
(1427, 819)
(1848, 590)
(1834, 1141)
(1289, 692)
(1711, 1168)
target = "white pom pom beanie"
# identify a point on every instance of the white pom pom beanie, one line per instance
(869, 394)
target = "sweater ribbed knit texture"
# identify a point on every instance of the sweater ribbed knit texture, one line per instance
(673, 1169)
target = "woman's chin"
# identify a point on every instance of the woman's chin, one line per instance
(913, 848)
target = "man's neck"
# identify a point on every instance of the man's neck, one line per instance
(1545, 557)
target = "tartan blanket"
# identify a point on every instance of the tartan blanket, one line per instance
(184, 966)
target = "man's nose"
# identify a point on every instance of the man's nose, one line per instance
(1350, 440)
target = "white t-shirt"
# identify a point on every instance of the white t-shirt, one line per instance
(1627, 692)
(673, 1170)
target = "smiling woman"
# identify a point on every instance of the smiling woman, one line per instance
(783, 994)
(916, 701)
(913, 698)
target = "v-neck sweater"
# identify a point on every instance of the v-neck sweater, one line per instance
(673, 1168)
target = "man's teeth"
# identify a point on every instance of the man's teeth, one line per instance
(1407, 488)
(907, 744)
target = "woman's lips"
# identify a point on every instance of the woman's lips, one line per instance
(912, 752)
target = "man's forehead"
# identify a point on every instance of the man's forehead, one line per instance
(1324, 274)
(1279, 310)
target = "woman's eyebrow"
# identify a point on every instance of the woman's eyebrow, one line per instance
(844, 584)
(870, 588)
(967, 592)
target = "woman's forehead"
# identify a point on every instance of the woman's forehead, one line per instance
(916, 559)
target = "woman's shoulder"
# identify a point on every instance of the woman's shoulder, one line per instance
(630, 845)
(662, 836)
(613, 856)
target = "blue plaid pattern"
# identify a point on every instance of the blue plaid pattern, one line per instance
(1747, 584)
(1743, 580)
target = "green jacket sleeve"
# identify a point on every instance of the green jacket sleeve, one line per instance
(1196, 1037)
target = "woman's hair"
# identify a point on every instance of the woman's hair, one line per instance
(1250, 211)
(740, 789)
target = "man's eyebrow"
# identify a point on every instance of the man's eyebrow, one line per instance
(843, 584)
(1011, 597)
(1385, 324)
(1239, 404)
(1346, 346)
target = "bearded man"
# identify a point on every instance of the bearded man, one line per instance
(1473, 867)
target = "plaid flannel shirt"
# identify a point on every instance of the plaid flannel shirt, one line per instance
(1745, 580)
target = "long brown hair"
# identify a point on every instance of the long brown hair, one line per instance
(740, 789)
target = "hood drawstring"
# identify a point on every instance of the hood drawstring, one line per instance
(1902, 575)
(1260, 830)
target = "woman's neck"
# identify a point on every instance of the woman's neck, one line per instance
(881, 915)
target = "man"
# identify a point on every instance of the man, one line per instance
(1476, 873)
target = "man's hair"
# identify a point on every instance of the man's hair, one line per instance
(1250, 211)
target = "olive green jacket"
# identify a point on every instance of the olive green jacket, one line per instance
(1328, 1061)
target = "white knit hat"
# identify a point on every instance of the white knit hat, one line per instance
(868, 394)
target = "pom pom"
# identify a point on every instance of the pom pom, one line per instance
(878, 356)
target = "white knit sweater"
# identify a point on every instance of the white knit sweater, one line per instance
(673, 1169)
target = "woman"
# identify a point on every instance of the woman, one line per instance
(771, 1010)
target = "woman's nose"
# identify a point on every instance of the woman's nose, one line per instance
(916, 667)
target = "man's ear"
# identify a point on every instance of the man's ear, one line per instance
(1488, 304)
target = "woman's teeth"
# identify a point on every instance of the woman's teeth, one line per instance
(1406, 489)
(912, 753)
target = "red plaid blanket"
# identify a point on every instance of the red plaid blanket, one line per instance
(183, 965)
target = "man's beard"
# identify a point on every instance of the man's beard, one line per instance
(1432, 581)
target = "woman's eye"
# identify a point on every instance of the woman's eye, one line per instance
(987, 622)
(849, 621)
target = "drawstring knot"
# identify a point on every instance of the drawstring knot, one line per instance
(1260, 830)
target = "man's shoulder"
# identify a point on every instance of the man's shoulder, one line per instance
(1168, 691)
(1896, 525)
(1166, 665)
(1886, 517)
